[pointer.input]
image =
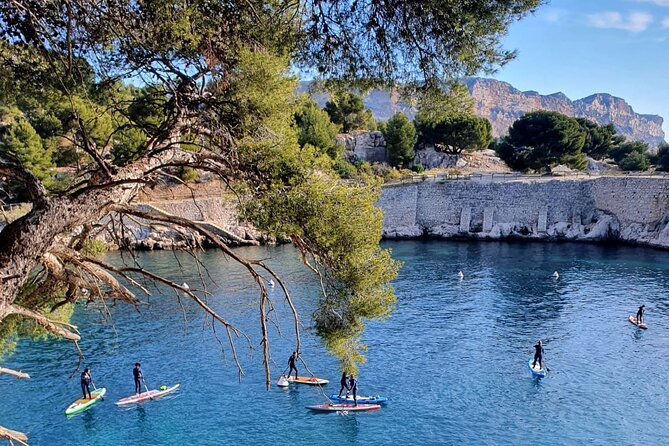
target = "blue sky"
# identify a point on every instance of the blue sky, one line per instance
(581, 47)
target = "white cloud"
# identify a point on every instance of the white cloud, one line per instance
(634, 22)
(657, 2)
(665, 22)
(554, 15)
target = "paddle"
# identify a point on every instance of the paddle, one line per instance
(145, 386)
(95, 388)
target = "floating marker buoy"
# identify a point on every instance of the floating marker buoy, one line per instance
(282, 382)
(461, 275)
(185, 285)
(556, 275)
(271, 283)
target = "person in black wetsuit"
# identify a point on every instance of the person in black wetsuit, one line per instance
(353, 386)
(86, 381)
(538, 354)
(639, 314)
(137, 374)
(344, 384)
(291, 363)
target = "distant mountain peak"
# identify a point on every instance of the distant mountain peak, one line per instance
(502, 104)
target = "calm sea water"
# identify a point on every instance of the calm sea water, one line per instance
(452, 358)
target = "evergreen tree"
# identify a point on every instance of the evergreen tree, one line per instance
(348, 110)
(400, 136)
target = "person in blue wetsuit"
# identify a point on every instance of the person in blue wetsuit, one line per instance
(291, 363)
(353, 387)
(86, 381)
(538, 354)
(344, 384)
(137, 374)
(639, 315)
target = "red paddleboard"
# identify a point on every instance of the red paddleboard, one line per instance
(344, 407)
(632, 319)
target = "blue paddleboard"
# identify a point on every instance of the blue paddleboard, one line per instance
(361, 399)
(536, 371)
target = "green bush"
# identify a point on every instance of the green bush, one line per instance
(661, 159)
(635, 161)
(188, 174)
(418, 168)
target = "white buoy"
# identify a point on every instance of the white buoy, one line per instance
(282, 382)
(556, 275)
(461, 275)
(185, 285)
(271, 283)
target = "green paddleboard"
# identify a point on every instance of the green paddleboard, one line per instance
(84, 403)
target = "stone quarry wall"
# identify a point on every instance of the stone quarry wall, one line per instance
(606, 208)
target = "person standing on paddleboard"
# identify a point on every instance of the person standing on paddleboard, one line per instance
(639, 314)
(538, 354)
(344, 384)
(86, 381)
(353, 386)
(137, 374)
(291, 363)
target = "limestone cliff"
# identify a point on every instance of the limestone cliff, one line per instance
(502, 104)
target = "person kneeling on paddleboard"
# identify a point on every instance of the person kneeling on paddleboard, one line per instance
(291, 363)
(344, 384)
(639, 315)
(86, 381)
(353, 386)
(538, 354)
(137, 374)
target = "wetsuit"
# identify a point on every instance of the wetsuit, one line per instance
(137, 374)
(353, 385)
(344, 384)
(85, 384)
(291, 364)
(538, 354)
(639, 315)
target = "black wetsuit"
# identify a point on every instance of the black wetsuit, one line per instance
(353, 385)
(85, 384)
(291, 364)
(137, 374)
(538, 355)
(344, 383)
(639, 315)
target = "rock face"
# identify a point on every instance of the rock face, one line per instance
(633, 210)
(502, 104)
(362, 145)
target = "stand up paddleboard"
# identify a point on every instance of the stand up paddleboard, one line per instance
(344, 407)
(144, 396)
(536, 371)
(84, 403)
(361, 399)
(312, 381)
(632, 319)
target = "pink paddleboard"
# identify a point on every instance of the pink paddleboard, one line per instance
(150, 395)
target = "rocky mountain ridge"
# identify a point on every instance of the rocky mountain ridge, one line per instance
(502, 104)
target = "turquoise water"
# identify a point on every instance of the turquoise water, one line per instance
(452, 357)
